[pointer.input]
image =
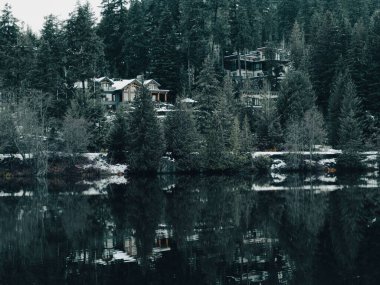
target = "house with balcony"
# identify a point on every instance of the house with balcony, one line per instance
(124, 91)
(258, 73)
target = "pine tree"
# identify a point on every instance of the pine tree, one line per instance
(287, 11)
(111, 29)
(374, 45)
(296, 96)
(117, 138)
(350, 130)
(165, 58)
(9, 34)
(214, 155)
(48, 72)
(335, 105)
(207, 94)
(328, 46)
(358, 62)
(246, 136)
(85, 57)
(145, 143)
(136, 39)
(182, 138)
(298, 49)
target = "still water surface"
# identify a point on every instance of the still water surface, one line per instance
(191, 230)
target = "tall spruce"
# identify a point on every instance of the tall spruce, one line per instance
(111, 29)
(9, 49)
(85, 57)
(296, 96)
(182, 138)
(145, 139)
(350, 130)
(335, 106)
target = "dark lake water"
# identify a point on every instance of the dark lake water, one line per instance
(191, 230)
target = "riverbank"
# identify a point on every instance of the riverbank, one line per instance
(87, 165)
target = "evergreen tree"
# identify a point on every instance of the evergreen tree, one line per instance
(298, 49)
(84, 48)
(111, 29)
(296, 96)
(117, 138)
(247, 141)
(182, 138)
(287, 11)
(350, 130)
(335, 105)
(194, 32)
(214, 153)
(358, 62)
(267, 126)
(9, 35)
(207, 94)
(374, 45)
(136, 40)
(165, 57)
(327, 47)
(145, 143)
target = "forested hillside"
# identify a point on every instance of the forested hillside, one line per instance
(332, 88)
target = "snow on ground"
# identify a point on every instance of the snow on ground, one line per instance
(98, 161)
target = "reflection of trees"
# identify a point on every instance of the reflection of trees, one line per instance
(144, 210)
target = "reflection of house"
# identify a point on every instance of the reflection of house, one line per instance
(258, 73)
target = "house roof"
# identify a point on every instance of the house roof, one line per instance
(121, 84)
(149, 81)
(100, 79)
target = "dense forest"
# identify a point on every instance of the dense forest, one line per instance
(329, 96)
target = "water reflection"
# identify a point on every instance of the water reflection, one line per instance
(190, 230)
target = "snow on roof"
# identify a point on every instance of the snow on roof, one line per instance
(188, 100)
(118, 85)
(100, 79)
(149, 81)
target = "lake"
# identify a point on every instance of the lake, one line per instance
(283, 229)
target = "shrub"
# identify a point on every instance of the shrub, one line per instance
(262, 164)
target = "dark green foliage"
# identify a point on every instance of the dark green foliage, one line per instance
(335, 105)
(328, 46)
(349, 160)
(145, 141)
(262, 164)
(117, 138)
(111, 30)
(8, 132)
(136, 41)
(85, 57)
(350, 130)
(182, 139)
(296, 96)
(164, 55)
